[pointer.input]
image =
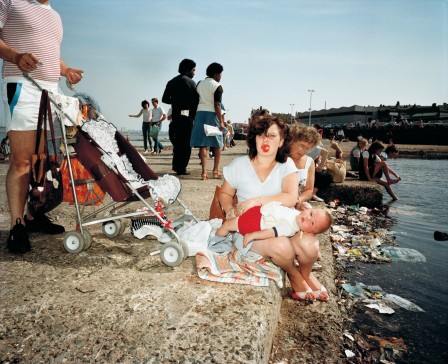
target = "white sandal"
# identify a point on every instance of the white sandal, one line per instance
(301, 296)
(318, 293)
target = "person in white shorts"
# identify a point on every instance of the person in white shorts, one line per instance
(36, 53)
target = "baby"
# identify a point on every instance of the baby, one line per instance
(274, 219)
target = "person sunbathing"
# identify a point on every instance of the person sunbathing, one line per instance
(274, 219)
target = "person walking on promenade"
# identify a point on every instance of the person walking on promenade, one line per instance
(180, 93)
(145, 111)
(158, 115)
(36, 52)
(209, 113)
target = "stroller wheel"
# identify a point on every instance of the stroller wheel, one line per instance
(112, 228)
(74, 242)
(172, 254)
(87, 239)
(185, 249)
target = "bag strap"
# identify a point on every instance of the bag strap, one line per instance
(45, 115)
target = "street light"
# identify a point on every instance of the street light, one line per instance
(292, 110)
(311, 97)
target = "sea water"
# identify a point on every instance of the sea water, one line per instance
(420, 210)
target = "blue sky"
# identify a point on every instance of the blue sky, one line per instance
(350, 52)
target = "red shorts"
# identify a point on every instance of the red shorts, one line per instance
(250, 221)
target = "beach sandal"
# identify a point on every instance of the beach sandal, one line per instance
(204, 177)
(301, 296)
(319, 292)
(217, 175)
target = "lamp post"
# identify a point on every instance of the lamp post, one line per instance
(292, 111)
(311, 97)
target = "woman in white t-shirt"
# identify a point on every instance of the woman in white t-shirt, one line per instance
(265, 175)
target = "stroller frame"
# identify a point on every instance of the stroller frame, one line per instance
(172, 253)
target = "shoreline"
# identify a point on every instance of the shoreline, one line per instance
(52, 279)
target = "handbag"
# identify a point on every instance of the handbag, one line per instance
(216, 210)
(336, 167)
(154, 131)
(211, 130)
(88, 191)
(45, 182)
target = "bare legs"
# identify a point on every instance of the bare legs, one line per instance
(227, 227)
(388, 181)
(216, 160)
(282, 251)
(22, 148)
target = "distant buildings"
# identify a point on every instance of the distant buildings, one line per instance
(363, 114)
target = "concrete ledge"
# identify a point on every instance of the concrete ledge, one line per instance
(352, 192)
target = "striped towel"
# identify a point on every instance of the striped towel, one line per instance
(234, 267)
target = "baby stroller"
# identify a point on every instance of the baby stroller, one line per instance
(123, 174)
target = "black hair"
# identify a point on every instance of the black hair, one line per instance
(214, 69)
(375, 146)
(186, 65)
(145, 102)
(391, 149)
(260, 126)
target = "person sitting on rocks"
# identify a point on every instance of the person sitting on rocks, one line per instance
(355, 153)
(372, 168)
(274, 219)
(269, 175)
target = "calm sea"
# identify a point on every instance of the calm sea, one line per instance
(420, 210)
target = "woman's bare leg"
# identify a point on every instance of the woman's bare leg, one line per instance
(281, 252)
(203, 157)
(216, 160)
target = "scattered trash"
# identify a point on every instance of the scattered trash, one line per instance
(402, 302)
(375, 297)
(349, 336)
(403, 254)
(389, 342)
(349, 353)
(382, 308)
(354, 290)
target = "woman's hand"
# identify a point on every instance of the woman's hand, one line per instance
(73, 75)
(248, 204)
(231, 213)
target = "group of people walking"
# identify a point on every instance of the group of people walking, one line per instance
(194, 107)
(152, 120)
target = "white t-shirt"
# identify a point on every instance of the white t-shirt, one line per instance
(146, 115)
(240, 174)
(157, 114)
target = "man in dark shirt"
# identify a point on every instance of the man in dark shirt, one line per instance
(180, 93)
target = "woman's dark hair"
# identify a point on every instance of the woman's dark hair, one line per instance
(214, 69)
(145, 102)
(375, 146)
(186, 65)
(391, 149)
(260, 126)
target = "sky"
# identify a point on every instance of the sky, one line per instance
(350, 52)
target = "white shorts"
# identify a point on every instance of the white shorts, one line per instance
(21, 100)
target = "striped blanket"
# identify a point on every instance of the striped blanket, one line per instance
(234, 267)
